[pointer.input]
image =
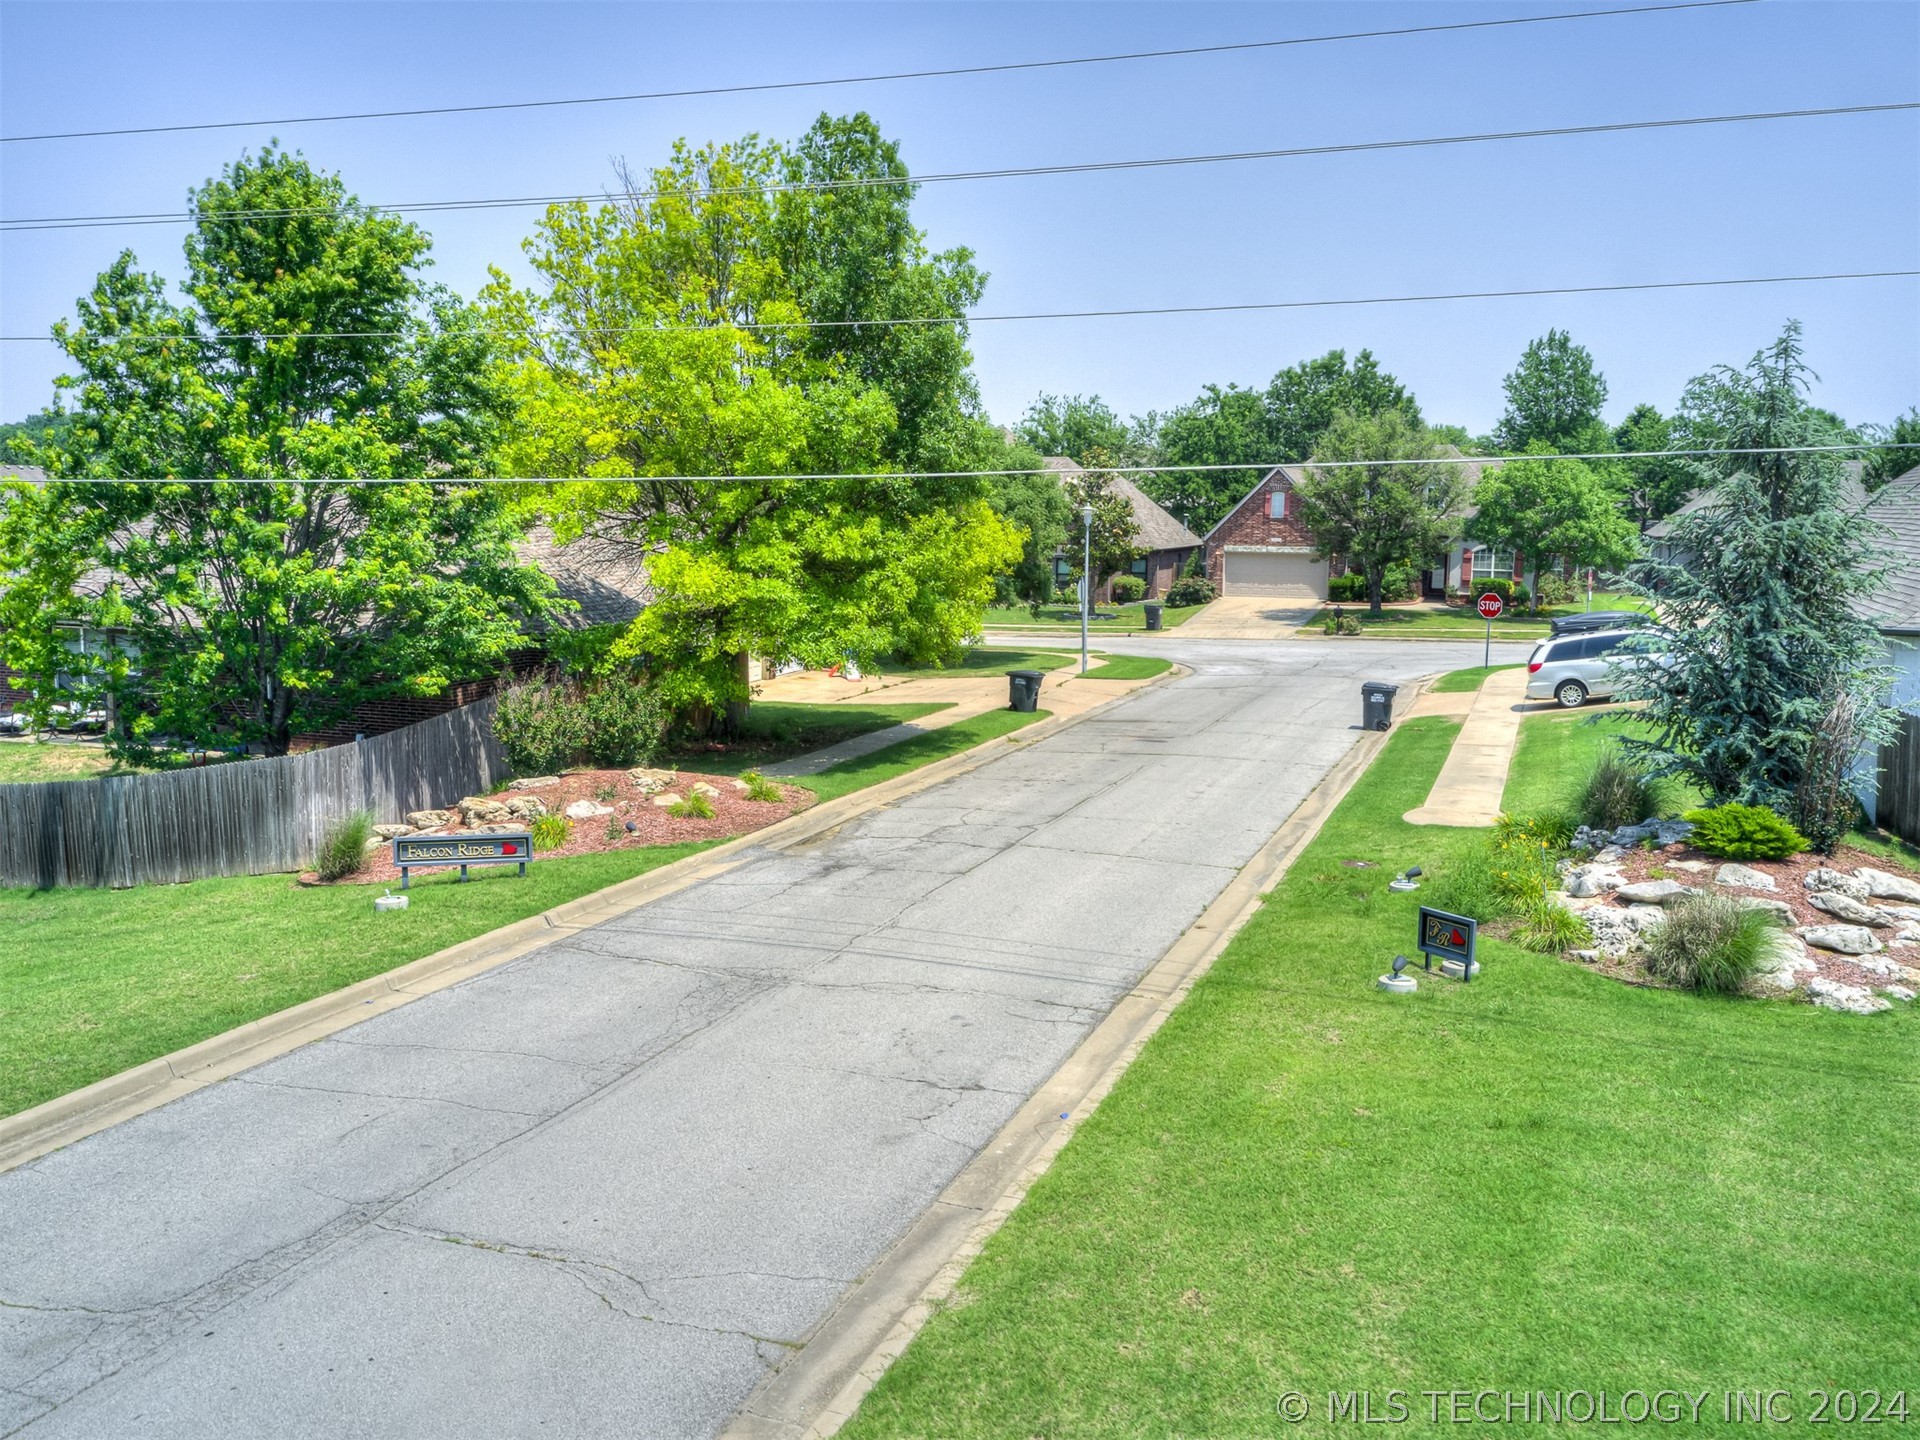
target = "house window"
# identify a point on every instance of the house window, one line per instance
(1277, 505)
(1139, 567)
(1491, 564)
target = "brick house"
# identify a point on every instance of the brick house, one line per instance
(1166, 543)
(1260, 547)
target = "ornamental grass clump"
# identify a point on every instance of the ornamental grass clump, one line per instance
(1617, 792)
(694, 807)
(760, 788)
(1710, 944)
(1509, 876)
(1744, 832)
(343, 849)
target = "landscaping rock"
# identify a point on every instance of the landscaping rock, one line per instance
(533, 782)
(700, 787)
(1852, 999)
(478, 810)
(1585, 881)
(1644, 917)
(1822, 879)
(665, 798)
(1897, 992)
(1845, 907)
(1613, 934)
(1587, 955)
(1695, 866)
(1783, 961)
(1609, 855)
(1654, 892)
(586, 810)
(1841, 939)
(1905, 912)
(1883, 886)
(1779, 908)
(430, 819)
(651, 782)
(1745, 877)
(525, 808)
(391, 832)
(1879, 965)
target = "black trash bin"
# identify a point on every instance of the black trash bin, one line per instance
(1153, 614)
(1023, 690)
(1376, 698)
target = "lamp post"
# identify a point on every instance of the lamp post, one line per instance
(1086, 578)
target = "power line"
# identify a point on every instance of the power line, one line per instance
(921, 320)
(960, 474)
(1002, 68)
(180, 217)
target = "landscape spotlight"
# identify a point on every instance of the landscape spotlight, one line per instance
(1396, 983)
(1408, 881)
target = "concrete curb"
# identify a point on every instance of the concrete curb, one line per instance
(818, 1390)
(147, 1086)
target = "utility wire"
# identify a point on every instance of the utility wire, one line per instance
(865, 182)
(882, 323)
(1003, 68)
(457, 481)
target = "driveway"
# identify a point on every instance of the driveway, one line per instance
(602, 1189)
(1247, 617)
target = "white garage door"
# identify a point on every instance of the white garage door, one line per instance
(1285, 577)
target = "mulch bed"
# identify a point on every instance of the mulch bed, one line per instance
(1678, 862)
(734, 814)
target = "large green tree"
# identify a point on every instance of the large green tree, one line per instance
(668, 381)
(1111, 541)
(1655, 486)
(1260, 428)
(1899, 452)
(1775, 681)
(1552, 510)
(272, 600)
(1388, 504)
(1078, 426)
(1554, 398)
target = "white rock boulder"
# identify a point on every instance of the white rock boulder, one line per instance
(1779, 908)
(533, 782)
(1882, 886)
(430, 819)
(1583, 882)
(1654, 892)
(586, 810)
(1852, 999)
(1744, 877)
(1852, 911)
(391, 832)
(1821, 878)
(1783, 961)
(1841, 939)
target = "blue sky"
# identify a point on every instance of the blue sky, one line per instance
(1776, 198)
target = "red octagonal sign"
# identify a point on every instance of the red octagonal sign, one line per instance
(1491, 605)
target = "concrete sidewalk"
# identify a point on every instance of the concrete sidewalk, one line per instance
(1469, 789)
(1247, 617)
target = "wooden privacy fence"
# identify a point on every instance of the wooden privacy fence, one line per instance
(252, 817)
(1897, 800)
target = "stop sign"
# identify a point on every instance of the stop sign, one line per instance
(1491, 605)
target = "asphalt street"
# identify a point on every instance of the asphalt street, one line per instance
(602, 1189)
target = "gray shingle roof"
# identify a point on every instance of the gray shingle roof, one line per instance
(1157, 529)
(607, 579)
(1896, 608)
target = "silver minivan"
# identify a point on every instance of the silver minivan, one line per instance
(1574, 669)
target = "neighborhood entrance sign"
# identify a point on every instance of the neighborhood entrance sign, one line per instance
(1448, 937)
(499, 848)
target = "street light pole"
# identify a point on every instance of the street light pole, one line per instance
(1086, 578)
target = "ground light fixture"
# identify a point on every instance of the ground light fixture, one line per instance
(389, 901)
(1397, 983)
(1408, 881)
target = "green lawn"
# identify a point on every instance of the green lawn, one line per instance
(779, 729)
(1127, 619)
(1456, 681)
(1465, 623)
(1129, 667)
(22, 761)
(95, 981)
(1545, 1180)
(991, 659)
